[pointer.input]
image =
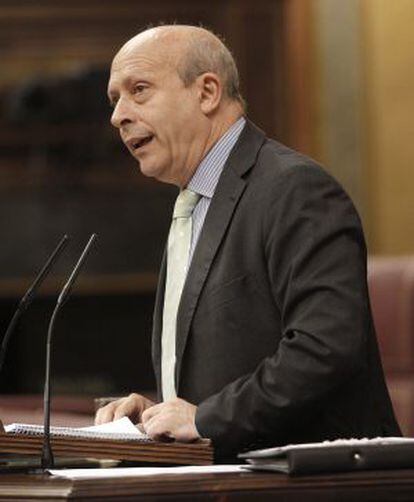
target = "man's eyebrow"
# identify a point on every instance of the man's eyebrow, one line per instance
(112, 96)
(128, 81)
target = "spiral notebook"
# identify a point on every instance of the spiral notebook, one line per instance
(119, 430)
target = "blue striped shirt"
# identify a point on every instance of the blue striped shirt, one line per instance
(206, 177)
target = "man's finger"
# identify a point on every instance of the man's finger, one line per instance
(106, 413)
(129, 408)
(132, 407)
(149, 413)
(158, 428)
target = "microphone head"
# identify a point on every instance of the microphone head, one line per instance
(68, 286)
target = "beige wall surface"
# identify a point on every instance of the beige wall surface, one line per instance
(364, 120)
(338, 125)
(388, 61)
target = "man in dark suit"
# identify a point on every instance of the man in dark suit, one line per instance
(271, 341)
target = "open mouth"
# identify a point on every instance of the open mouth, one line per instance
(142, 142)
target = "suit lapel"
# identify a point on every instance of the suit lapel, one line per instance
(228, 192)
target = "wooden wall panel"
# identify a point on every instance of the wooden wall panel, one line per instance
(300, 87)
(68, 175)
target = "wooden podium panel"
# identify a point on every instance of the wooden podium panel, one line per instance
(198, 453)
(373, 486)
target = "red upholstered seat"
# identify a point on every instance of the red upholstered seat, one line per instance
(391, 285)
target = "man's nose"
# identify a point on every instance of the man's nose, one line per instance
(122, 113)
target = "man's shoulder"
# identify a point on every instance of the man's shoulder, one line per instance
(278, 169)
(284, 178)
(278, 164)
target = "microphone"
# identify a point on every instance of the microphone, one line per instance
(47, 460)
(29, 296)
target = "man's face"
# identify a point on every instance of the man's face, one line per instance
(159, 119)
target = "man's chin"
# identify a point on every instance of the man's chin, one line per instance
(149, 170)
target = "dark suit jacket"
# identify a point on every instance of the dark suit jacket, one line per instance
(275, 340)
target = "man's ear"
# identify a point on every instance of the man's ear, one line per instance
(210, 92)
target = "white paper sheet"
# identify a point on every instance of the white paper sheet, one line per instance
(124, 424)
(123, 472)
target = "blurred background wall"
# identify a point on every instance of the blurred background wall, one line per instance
(332, 78)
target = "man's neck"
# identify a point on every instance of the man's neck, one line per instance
(218, 128)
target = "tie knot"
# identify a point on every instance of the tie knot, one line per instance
(185, 204)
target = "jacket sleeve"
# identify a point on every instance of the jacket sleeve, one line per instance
(316, 259)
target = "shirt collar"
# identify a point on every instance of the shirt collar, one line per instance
(207, 174)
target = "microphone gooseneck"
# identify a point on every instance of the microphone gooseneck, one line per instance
(47, 460)
(29, 296)
(47, 454)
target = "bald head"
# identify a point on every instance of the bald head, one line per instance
(191, 51)
(175, 92)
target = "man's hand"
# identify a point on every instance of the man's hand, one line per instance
(173, 419)
(132, 407)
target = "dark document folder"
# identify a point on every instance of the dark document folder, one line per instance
(335, 456)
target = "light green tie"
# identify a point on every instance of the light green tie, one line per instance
(179, 242)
